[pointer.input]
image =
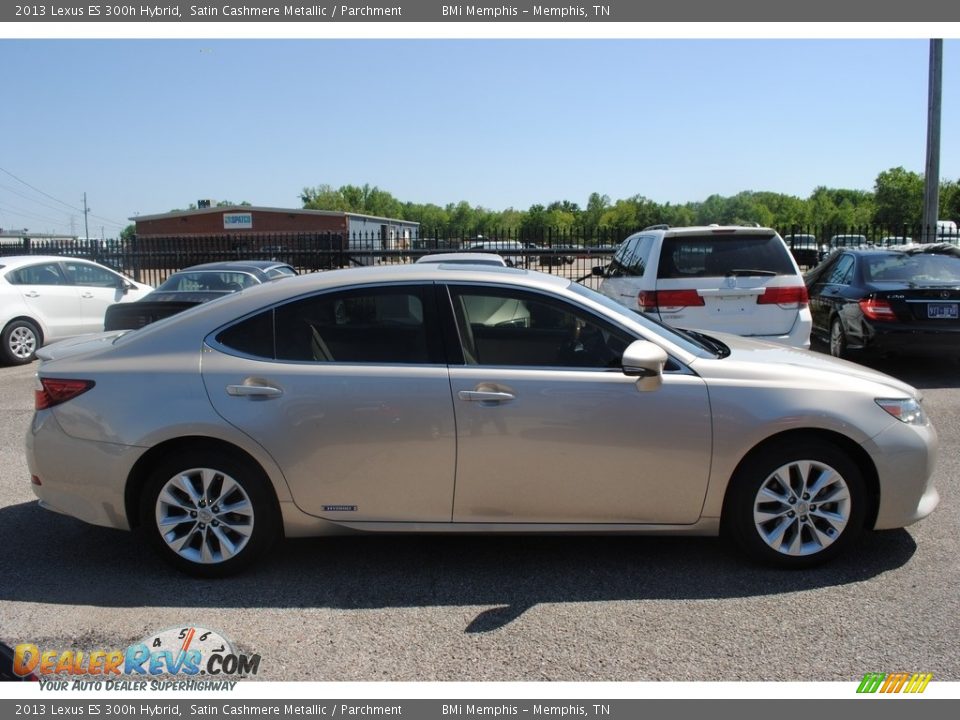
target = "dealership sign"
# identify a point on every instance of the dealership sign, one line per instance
(238, 221)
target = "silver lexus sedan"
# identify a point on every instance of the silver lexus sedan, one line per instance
(435, 398)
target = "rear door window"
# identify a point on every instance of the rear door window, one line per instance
(632, 258)
(385, 325)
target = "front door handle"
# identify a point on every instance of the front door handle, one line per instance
(485, 397)
(257, 391)
(31, 294)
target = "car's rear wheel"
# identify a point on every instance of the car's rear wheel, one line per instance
(208, 513)
(20, 341)
(796, 505)
(838, 339)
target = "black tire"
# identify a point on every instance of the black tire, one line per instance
(773, 521)
(20, 339)
(201, 538)
(837, 339)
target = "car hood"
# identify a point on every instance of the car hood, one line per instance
(772, 362)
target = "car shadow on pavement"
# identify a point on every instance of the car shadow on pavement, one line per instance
(54, 559)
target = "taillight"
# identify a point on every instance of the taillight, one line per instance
(53, 391)
(785, 297)
(668, 300)
(876, 309)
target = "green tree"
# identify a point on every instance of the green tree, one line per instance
(898, 198)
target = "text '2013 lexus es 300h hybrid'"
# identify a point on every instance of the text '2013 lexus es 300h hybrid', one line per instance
(465, 399)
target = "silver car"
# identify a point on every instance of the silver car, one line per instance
(431, 398)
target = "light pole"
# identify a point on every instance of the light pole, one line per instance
(931, 180)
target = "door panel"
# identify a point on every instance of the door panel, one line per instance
(549, 429)
(347, 391)
(376, 440)
(580, 446)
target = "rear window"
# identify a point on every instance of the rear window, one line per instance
(918, 269)
(711, 255)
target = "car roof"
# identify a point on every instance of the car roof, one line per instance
(719, 231)
(17, 260)
(235, 265)
(478, 258)
(913, 249)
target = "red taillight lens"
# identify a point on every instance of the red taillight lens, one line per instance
(784, 296)
(668, 300)
(53, 391)
(874, 309)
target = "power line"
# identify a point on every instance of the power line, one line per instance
(110, 221)
(48, 195)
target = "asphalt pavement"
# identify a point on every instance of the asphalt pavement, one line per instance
(503, 608)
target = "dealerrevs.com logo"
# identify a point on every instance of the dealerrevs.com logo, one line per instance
(185, 652)
(910, 683)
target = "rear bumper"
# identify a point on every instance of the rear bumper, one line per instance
(80, 478)
(897, 337)
(799, 335)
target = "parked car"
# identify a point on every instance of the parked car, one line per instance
(731, 279)
(805, 249)
(44, 298)
(464, 258)
(888, 300)
(888, 240)
(846, 241)
(512, 251)
(430, 398)
(192, 286)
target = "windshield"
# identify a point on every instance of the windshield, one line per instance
(693, 343)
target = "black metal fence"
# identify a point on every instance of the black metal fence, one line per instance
(572, 252)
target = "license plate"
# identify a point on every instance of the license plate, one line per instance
(942, 311)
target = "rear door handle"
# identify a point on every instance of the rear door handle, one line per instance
(259, 391)
(485, 397)
(31, 294)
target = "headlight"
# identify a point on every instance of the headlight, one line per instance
(905, 410)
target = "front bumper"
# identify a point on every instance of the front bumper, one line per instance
(81, 478)
(905, 457)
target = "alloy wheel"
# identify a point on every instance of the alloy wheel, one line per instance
(22, 342)
(802, 508)
(204, 516)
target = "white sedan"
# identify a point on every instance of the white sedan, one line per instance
(47, 298)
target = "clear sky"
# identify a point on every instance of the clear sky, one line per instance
(145, 126)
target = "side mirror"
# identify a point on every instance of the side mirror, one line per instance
(644, 360)
(598, 271)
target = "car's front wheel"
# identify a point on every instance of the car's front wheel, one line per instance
(208, 513)
(20, 341)
(796, 505)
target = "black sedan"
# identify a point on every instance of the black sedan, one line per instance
(192, 286)
(888, 300)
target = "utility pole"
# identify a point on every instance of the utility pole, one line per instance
(86, 211)
(931, 182)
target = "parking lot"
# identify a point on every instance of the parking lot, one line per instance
(505, 608)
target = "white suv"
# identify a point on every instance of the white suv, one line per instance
(740, 280)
